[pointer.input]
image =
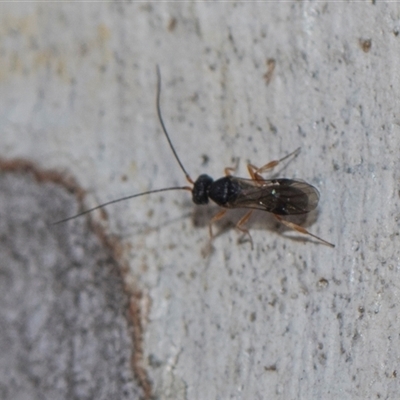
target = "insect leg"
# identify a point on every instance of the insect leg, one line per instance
(255, 172)
(214, 219)
(229, 171)
(241, 222)
(300, 229)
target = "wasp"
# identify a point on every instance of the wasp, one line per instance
(279, 197)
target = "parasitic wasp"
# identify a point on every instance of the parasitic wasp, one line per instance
(279, 197)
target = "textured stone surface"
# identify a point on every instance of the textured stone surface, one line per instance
(64, 333)
(291, 319)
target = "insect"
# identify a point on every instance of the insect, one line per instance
(277, 196)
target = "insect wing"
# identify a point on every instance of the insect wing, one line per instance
(278, 196)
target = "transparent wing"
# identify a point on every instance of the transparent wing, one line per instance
(278, 196)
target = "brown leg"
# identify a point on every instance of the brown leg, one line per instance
(214, 219)
(300, 229)
(255, 172)
(231, 170)
(239, 225)
(241, 222)
(228, 171)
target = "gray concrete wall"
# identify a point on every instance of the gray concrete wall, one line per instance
(292, 319)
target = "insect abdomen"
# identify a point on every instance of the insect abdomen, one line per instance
(289, 197)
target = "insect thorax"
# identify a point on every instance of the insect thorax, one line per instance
(224, 191)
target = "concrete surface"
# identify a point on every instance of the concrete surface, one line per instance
(292, 319)
(64, 332)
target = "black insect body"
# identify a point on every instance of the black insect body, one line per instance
(278, 196)
(223, 191)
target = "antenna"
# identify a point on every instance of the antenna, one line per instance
(150, 191)
(165, 129)
(122, 199)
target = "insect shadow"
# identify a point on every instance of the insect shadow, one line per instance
(279, 196)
